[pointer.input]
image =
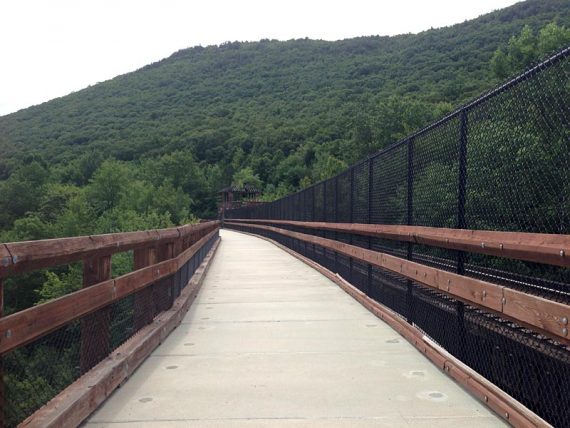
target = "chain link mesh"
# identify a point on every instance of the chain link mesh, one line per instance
(35, 373)
(501, 162)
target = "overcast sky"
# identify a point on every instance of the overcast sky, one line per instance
(49, 48)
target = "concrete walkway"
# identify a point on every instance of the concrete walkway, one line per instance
(271, 342)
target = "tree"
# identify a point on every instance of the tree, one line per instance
(327, 166)
(22, 192)
(246, 176)
(527, 48)
(106, 187)
(552, 37)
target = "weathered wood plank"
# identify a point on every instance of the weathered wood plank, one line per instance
(95, 327)
(535, 311)
(544, 248)
(27, 325)
(18, 257)
(22, 327)
(142, 311)
(5, 257)
(164, 289)
(74, 404)
(494, 397)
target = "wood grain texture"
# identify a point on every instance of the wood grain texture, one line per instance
(498, 400)
(544, 248)
(542, 315)
(25, 326)
(163, 290)
(535, 311)
(95, 327)
(18, 257)
(143, 305)
(75, 403)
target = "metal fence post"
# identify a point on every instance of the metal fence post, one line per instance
(336, 220)
(461, 223)
(410, 222)
(324, 212)
(351, 215)
(323, 233)
(313, 217)
(304, 205)
(304, 218)
(370, 180)
(313, 207)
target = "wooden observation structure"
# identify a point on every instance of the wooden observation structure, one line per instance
(235, 197)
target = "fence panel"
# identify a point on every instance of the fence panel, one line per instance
(500, 163)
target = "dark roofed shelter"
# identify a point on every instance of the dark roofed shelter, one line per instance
(237, 196)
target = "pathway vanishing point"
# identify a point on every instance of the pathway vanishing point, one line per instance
(269, 341)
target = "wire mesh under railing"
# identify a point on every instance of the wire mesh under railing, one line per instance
(35, 373)
(499, 163)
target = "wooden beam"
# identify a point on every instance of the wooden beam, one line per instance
(25, 326)
(95, 327)
(544, 248)
(495, 398)
(536, 311)
(143, 306)
(163, 290)
(18, 257)
(542, 315)
(74, 404)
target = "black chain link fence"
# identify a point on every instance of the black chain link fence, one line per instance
(37, 372)
(501, 162)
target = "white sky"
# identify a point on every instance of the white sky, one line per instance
(49, 48)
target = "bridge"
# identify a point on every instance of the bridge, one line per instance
(426, 285)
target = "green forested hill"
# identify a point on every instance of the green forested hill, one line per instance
(286, 113)
(149, 149)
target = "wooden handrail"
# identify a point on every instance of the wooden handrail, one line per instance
(544, 248)
(545, 316)
(28, 325)
(19, 257)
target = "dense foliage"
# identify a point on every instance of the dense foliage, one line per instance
(286, 113)
(150, 148)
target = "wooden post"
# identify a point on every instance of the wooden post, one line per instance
(178, 276)
(143, 310)
(164, 289)
(96, 327)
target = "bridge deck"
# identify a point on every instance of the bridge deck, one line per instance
(270, 341)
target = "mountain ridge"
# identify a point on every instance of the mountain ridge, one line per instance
(293, 112)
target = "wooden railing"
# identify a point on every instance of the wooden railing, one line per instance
(160, 257)
(535, 247)
(545, 316)
(501, 334)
